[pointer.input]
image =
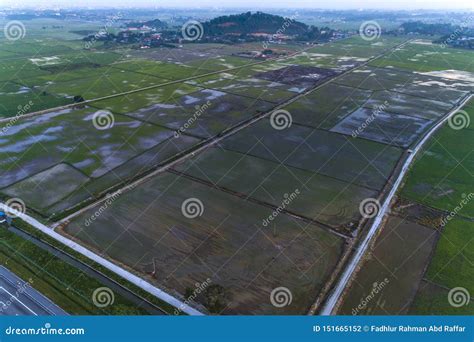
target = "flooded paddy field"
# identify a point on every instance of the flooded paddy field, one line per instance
(298, 75)
(34, 147)
(146, 98)
(423, 56)
(326, 106)
(320, 198)
(146, 231)
(188, 109)
(171, 71)
(318, 151)
(232, 83)
(391, 129)
(389, 277)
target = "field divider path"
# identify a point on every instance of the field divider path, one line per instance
(143, 284)
(171, 82)
(215, 140)
(378, 222)
(262, 203)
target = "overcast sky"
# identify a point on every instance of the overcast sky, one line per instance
(250, 4)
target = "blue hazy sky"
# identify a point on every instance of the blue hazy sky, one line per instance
(250, 4)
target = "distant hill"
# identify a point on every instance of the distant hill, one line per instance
(252, 23)
(154, 24)
(420, 27)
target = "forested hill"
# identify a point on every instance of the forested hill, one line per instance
(249, 23)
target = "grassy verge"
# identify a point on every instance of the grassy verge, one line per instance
(43, 237)
(65, 285)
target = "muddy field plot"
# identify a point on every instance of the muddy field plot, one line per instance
(297, 75)
(171, 71)
(397, 103)
(356, 161)
(274, 92)
(220, 63)
(318, 197)
(34, 147)
(392, 129)
(145, 229)
(146, 99)
(388, 280)
(326, 106)
(204, 113)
